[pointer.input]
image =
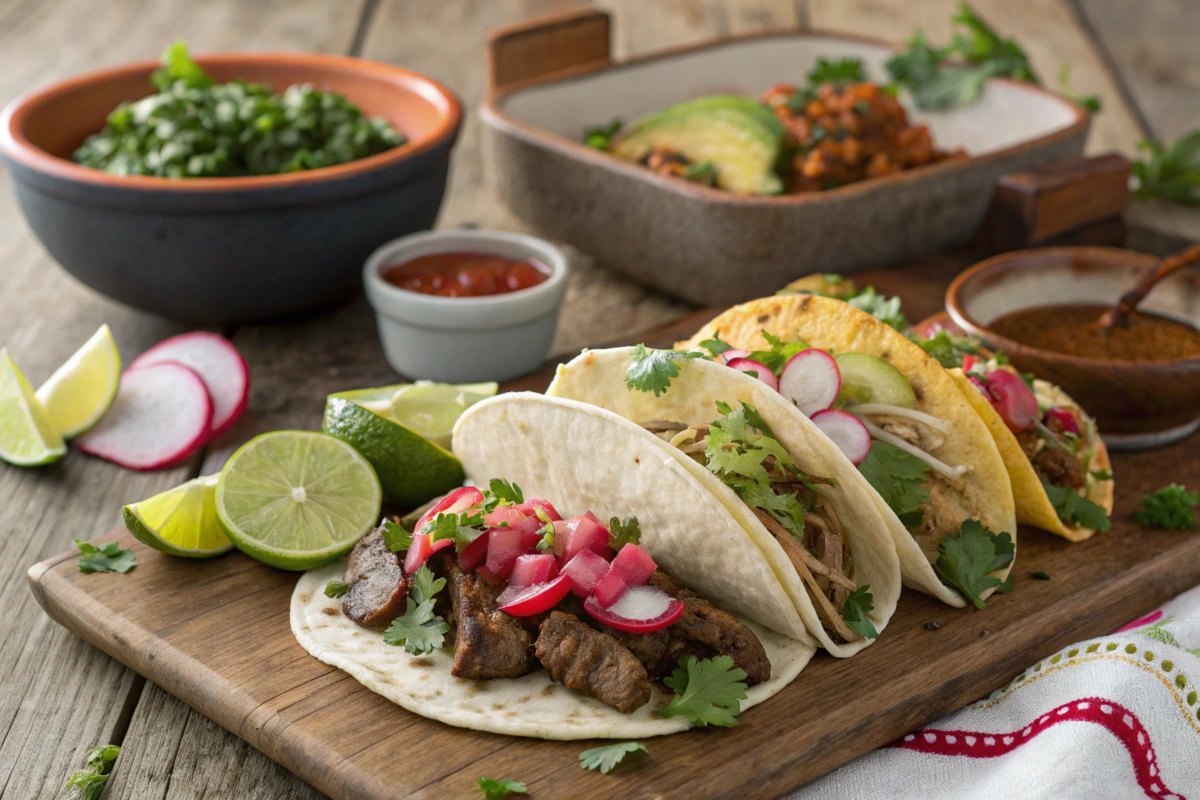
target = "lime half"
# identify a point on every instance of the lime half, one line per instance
(431, 409)
(180, 521)
(27, 438)
(79, 392)
(297, 499)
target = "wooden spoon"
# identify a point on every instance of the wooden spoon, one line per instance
(1118, 315)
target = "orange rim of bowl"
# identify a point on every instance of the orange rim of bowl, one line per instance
(17, 146)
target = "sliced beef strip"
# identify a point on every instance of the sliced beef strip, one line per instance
(592, 663)
(378, 590)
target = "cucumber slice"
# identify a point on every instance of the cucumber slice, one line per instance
(869, 379)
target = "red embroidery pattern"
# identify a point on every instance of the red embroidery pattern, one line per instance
(1120, 722)
(1149, 619)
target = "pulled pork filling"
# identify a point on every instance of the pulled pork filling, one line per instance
(1055, 456)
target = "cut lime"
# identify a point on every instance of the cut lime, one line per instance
(180, 521)
(27, 438)
(79, 392)
(431, 409)
(869, 379)
(297, 499)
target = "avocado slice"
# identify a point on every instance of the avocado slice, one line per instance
(740, 136)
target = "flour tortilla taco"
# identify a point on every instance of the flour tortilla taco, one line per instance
(774, 481)
(936, 473)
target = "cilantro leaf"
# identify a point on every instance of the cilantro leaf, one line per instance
(601, 136)
(1006, 586)
(177, 65)
(547, 541)
(1170, 171)
(606, 758)
(707, 692)
(395, 536)
(623, 532)
(854, 612)
(775, 358)
(462, 529)
(948, 349)
(90, 780)
(498, 790)
(652, 370)
(1041, 576)
(715, 345)
(1171, 507)
(900, 478)
(505, 492)
(1091, 102)
(424, 586)
(966, 558)
(1074, 509)
(336, 589)
(418, 630)
(838, 71)
(105, 558)
(881, 307)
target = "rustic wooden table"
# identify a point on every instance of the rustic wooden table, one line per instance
(58, 695)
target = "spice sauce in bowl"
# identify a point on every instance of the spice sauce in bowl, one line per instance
(465, 274)
(1074, 330)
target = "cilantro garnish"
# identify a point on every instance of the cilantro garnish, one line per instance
(623, 532)
(854, 612)
(1171, 507)
(606, 758)
(704, 172)
(336, 588)
(419, 630)
(707, 692)
(899, 477)
(966, 558)
(498, 790)
(1074, 509)
(652, 370)
(881, 307)
(424, 586)
(948, 349)
(105, 558)
(1090, 101)
(601, 136)
(1041, 576)
(501, 493)
(1170, 171)
(715, 345)
(1100, 474)
(837, 71)
(91, 779)
(395, 536)
(775, 358)
(547, 541)
(462, 528)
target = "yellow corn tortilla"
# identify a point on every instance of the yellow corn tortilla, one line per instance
(833, 325)
(1033, 506)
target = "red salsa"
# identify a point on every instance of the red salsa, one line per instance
(465, 274)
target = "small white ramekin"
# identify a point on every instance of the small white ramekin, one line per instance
(466, 339)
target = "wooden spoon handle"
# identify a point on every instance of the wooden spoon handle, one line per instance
(1118, 315)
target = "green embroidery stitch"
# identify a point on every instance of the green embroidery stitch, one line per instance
(1192, 698)
(1073, 652)
(1111, 646)
(1056, 659)
(1093, 647)
(1168, 666)
(1149, 656)
(1131, 649)
(1181, 681)
(1160, 634)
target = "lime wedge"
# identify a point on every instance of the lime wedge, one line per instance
(79, 392)
(27, 438)
(431, 409)
(180, 521)
(297, 499)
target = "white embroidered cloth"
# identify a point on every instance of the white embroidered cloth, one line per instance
(1113, 717)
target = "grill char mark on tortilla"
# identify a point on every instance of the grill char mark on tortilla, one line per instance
(378, 590)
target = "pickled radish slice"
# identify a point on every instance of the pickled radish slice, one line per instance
(506, 516)
(584, 533)
(846, 431)
(1061, 420)
(531, 569)
(531, 507)
(457, 501)
(642, 609)
(731, 354)
(473, 554)
(609, 589)
(525, 601)
(1013, 400)
(504, 545)
(420, 550)
(635, 564)
(585, 570)
(756, 369)
(811, 380)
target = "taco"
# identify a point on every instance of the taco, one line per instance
(935, 471)
(772, 476)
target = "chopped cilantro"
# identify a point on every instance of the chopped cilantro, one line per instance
(623, 532)
(966, 558)
(948, 349)
(1041, 576)
(707, 692)
(1074, 509)
(547, 540)
(424, 586)
(606, 758)
(395, 536)
(899, 477)
(336, 588)
(1171, 507)
(105, 558)
(601, 136)
(1169, 170)
(652, 370)
(837, 71)
(715, 345)
(498, 790)
(1100, 474)
(854, 612)
(90, 780)
(501, 493)
(883, 308)
(462, 528)
(419, 630)
(775, 358)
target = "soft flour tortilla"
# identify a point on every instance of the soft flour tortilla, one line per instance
(597, 377)
(833, 325)
(1033, 506)
(532, 705)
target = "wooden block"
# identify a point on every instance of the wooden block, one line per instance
(1030, 208)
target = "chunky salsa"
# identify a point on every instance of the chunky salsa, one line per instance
(1074, 329)
(465, 274)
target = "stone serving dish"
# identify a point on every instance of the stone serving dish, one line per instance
(1137, 404)
(550, 78)
(225, 249)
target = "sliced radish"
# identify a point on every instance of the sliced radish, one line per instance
(634, 564)
(454, 503)
(531, 569)
(585, 569)
(473, 554)
(609, 589)
(811, 380)
(525, 601)
(421, 549)
(162, 414)
(504, 545)
(642, 609)
(756, 369)
(978, 383)
(1013, 400)
(846, 431)
(731, 354)
(219, 365)
(1061, 420)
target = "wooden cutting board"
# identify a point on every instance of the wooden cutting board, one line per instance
(216, 635)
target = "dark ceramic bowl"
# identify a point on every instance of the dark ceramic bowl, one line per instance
(1137, 404)
(225, 249)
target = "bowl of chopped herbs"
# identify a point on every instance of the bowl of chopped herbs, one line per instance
(232, 186)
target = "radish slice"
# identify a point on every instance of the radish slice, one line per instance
(219, 365)
(457, 501)
(731, 354)
(525, 601)
(420, 550)
(756, 369)
(811, 380)
(846, 431)
(531, 569)
(634, 564)
(642, 609)
(473, 554)
(161, 416)
(585, 570)
(609, 589)
(504, 545)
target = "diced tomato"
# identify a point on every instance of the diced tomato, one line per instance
(530, 569)
(525, 601)
(586, 533)
(420, 550)
(609, 589)
(634, 564)
(968, 362)
(473, 554)
(642, 609)
(503, 516)
(530, 507)
(1061, 420)
(504, 545)
(1012, 399)
(453, 503)
(585, 569)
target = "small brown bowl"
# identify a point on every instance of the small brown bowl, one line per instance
(1137, 404)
